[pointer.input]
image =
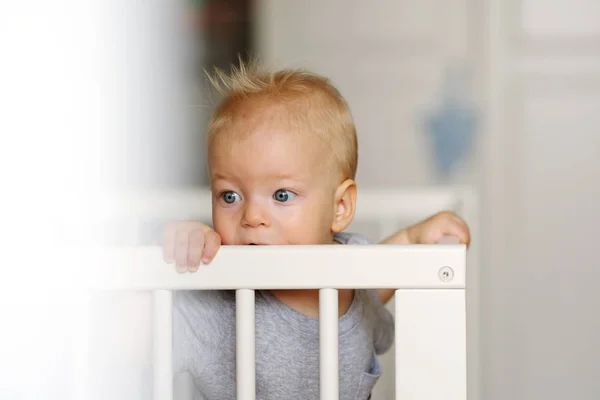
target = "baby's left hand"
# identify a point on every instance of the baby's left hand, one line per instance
(433, 229)
(429, 231)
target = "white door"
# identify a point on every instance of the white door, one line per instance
(544, 191)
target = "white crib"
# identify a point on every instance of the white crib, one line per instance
(429, 357)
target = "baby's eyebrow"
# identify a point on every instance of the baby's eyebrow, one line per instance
(220, 177)
(284, 176)
(277, 177)
(288, 178)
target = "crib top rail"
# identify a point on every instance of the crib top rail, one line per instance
(285, 267)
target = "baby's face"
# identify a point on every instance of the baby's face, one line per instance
(271, 186)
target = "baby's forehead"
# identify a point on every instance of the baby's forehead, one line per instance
(269, 164)
(272, 129)
(279, 149)
(269, 128)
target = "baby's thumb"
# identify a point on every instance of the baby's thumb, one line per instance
(211, 247)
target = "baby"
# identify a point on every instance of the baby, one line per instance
(282, 155)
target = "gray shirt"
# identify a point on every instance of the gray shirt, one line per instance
(287, 344)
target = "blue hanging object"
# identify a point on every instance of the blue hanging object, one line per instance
(452, 125)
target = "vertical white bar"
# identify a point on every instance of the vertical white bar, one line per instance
(245, 344)
(163, 345)
(328, 344)
(431, 344)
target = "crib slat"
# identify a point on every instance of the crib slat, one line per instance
(245, 344)
(328, 344)
(163, 345)
(430, 344)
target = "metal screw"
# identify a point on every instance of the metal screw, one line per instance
(446, 274)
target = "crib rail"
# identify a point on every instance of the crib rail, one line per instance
(430, 350)
(285, 267)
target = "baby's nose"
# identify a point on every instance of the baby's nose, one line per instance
(255, 215)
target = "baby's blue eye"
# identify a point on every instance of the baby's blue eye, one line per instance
(230, 197)
(283, 195)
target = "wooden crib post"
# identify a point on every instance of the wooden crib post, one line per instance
(431, 344)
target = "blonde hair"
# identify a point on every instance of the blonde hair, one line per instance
(309, 101)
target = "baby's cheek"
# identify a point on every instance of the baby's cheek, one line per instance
(224, 226)
(308, 227)
(286, 223)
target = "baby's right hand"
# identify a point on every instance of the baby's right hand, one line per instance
(187, 243)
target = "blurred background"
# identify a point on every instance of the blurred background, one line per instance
(500, 95)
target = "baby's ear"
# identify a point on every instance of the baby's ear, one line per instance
(345, 205)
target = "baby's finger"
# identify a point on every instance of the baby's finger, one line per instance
(464, 233)
(211, 246)
(460, 221)
(181, 249)
(195, 249)
(458, 231)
